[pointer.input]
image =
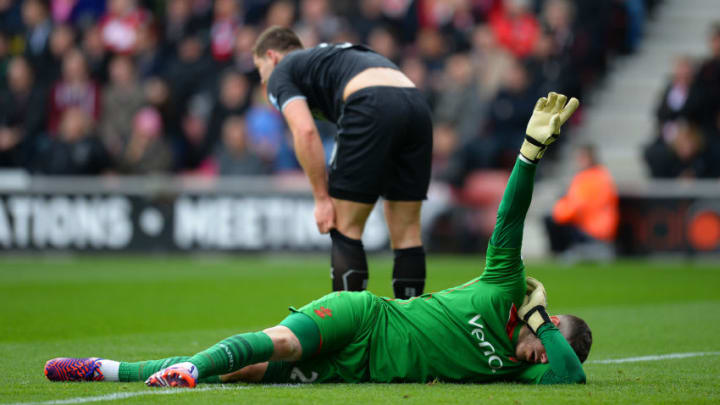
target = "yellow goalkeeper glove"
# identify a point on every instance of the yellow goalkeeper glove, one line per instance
(544, 126)
(533, 310)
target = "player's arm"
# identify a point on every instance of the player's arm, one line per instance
(311, 155)
(503, 254)
(563, 366)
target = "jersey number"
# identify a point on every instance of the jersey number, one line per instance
(297, 375)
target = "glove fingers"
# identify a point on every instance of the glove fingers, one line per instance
(569, 109)
(552, 100)
(532, 283)
(555, 124)
(540, 105)
(559, 104)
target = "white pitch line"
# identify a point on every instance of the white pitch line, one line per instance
(654, 358)
(125, 395)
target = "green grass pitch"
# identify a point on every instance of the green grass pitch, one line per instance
(140, 307)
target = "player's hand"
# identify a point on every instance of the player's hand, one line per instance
(544, 126)
(324, 215)
(533, 310)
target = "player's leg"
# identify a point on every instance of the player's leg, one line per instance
(284, 342)
(403, 220)
(355, 183)
(98, 369)
(349, 269)
(407, 120)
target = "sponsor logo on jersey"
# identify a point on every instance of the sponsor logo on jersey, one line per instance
(322, 312)
(494, 361)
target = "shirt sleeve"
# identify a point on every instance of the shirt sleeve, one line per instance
(563, 366)
(281, 86)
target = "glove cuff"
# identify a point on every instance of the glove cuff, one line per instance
(532, 150)
(536, 317)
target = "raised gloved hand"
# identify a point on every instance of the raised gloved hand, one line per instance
(544, 126)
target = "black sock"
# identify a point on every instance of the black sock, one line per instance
(409, 272)
(349, 269)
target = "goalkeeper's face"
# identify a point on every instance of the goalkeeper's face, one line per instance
(529, 347)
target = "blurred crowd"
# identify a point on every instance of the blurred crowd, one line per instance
(687, 140)
(154, 86)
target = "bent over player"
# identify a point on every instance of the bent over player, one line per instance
(383, 148)
(492, 328)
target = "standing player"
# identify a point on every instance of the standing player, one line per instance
(473, 332)
(383, 148)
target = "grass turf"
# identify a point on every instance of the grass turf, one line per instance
(135, 308)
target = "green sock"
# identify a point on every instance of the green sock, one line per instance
(233, 354)
(141, 370)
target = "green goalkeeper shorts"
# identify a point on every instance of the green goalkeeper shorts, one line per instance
(346, 320)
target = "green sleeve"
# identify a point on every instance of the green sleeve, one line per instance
(503, 263)
(565, 367)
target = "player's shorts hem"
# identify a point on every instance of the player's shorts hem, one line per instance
(401, 198)
(352, 196)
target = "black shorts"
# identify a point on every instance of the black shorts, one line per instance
(384, 146)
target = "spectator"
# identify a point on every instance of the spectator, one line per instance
(268, 134)
(178, 23)
(195, 143)
(515, 27)
(459, 102)
(233, 156)
(672, 103)
(121, 25)
(234, 99)
(147, 151)
(243, 56)
(189, 73)
(74, 89)
(157, 95)
(281, 13)
(74, 150)
(682, 151)
(508, 112)
(224, 29)
(149, 57)
(490, 61)
(584, 222)
(122, 98)
(704, 99)
(95, 54)
(368, 17)
(62, 41)
(38, 28)
(316, 16)
(382, 41)
(21, 120)
(432, 49)
(4, 59)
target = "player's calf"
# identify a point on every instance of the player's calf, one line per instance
(349, 269)
(409, 272)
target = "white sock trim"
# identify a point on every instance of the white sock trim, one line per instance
(524, 159)
(110, 369)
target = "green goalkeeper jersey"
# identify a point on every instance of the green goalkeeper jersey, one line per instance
(466, 333)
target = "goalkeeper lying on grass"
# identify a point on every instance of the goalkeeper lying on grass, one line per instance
(492, 328)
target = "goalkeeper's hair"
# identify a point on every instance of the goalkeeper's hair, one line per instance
(579, 336)
(276, 38)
